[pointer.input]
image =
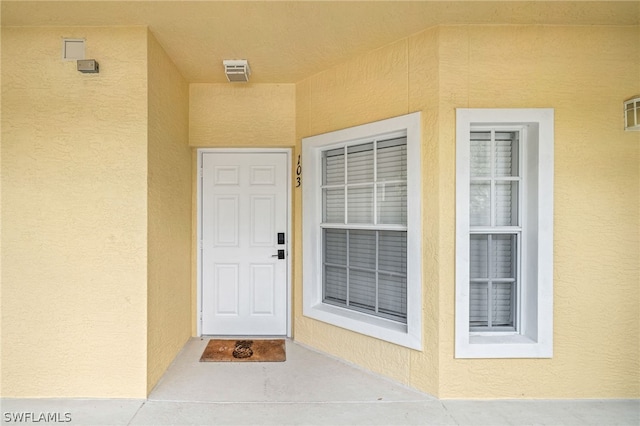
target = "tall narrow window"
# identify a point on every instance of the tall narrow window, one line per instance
(361, 229)
(495, 231)
(504, 233)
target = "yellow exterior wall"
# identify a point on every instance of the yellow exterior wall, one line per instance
(368, 88)
(242, 115)
(1, 392)
(169, 213)
(585, 73)
(74, 212)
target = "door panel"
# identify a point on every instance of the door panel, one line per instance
(244, 206)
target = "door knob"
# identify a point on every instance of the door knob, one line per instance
(280, 254)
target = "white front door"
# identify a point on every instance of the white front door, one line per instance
(244, 208)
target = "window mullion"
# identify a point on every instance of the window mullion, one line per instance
(492, 185)
(346, 199)
(377, 306)
(348, 269)
(375, 184)
(489, 282)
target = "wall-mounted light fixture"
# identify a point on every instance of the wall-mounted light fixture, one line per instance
(236, 69)
(88, 66)
(632, 114)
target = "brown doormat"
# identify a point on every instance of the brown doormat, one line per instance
(244, 351)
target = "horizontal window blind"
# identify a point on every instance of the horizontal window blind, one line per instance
(365, 270)
(494, 222)
(365, 185)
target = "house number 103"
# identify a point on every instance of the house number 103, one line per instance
(298, 173)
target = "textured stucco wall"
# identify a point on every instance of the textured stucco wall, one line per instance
(74, 185)
(1, 393)
(584, 73)
(169, 213)
(368, 88)
(242, 115)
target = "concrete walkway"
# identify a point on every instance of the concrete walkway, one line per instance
(308, 389)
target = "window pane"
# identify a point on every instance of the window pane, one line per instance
(506, 154)
(362, 289)
(480, 154)
(498, 252)
(362, 249)
(479, 256)
(392, 297)
(392, 203)
(630, 118)
(333, 167)
(478, 305)
(360, 163)
(502, 304)
(506, 203)
(480, 204)
(335, 246)
(360, 204)
(392, 160)
(392, 251)
(333, 205)
(335, 284)
(503, 256)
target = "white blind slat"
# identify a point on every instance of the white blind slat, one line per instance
(359, 162)
(333, 205)
(393, 252)
(360, 204)
(362, 249)
(392, 203)
(374, 260)
(480, 204)
(333, 167)
(492, 259)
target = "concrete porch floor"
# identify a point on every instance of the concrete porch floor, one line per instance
(308, 389)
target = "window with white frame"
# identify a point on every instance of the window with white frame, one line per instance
(495, 230)
(361, 210)
(504, 233)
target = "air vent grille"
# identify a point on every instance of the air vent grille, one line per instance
(237, 70)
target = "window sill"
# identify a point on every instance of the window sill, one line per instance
(369, 325)
(506, 345)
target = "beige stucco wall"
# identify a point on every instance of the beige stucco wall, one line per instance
(241, 115)
(585, 73)
(169, 213)
(74, 211)
(1, 393)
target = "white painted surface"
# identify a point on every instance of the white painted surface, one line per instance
(534, 338)
(244, 205)
(409, 335)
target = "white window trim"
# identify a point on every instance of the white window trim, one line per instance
(409, 335)
(534, 338)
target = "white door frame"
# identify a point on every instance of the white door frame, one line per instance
(200, 152)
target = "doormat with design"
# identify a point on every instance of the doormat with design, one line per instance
(244, 351)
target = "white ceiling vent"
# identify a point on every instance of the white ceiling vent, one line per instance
(237, 69)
